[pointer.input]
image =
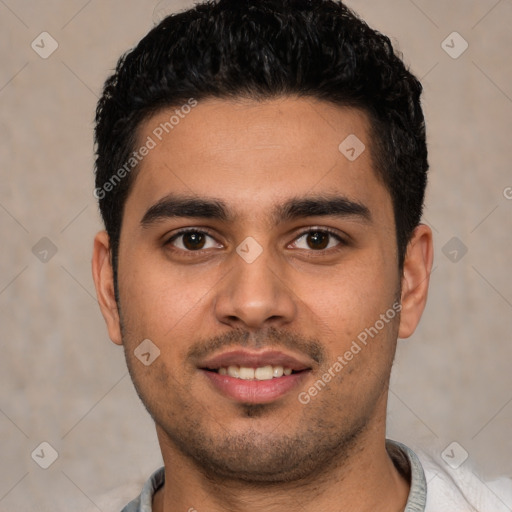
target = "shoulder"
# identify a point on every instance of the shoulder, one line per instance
(462, 488)
(132, 497)
(115, 499)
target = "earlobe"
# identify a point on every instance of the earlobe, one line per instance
(415, 279)
(103, 276)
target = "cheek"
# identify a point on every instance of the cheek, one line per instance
(158, 297)
(347, 306)
(350, 297)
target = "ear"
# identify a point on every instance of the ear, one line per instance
(415, 279)
(103, 276)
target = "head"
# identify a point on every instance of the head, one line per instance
(257, 119)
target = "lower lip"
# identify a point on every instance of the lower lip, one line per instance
(255, 391)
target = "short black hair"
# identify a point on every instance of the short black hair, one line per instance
(264, 49)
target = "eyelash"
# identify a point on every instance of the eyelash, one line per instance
(203, 231)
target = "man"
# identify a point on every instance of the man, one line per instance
(261, 170)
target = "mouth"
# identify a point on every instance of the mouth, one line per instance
(249, 377)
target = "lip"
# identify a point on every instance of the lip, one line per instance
(255, 391)
(255, 360)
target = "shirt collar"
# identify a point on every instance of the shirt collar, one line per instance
(408, 463)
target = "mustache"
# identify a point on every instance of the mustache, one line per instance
(270, 337)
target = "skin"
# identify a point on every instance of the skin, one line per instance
(221, 455)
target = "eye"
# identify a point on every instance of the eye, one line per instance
(192, 240)
(195, 240)
(319, 239)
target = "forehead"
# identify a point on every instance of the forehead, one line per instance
(253, 154)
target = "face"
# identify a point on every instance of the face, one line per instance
(251, 246)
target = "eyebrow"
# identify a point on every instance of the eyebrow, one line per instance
(173, 206)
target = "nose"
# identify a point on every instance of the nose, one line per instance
(255, 295)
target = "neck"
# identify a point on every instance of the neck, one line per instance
(363, 480)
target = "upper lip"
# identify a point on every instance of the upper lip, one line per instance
(254, 360)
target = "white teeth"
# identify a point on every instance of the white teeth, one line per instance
(246, 373)
(262, 373)
(234, 371)
(277, 371)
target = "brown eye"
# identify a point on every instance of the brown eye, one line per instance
(318, 240)
(192, 240)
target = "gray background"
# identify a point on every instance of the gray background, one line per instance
(65, 383)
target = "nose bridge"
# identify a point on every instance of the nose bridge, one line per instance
(254, 292)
